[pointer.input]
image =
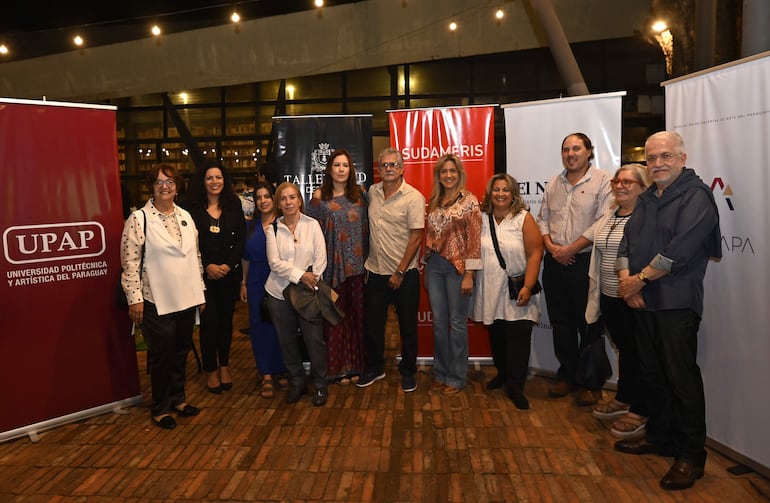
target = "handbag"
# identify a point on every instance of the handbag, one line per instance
(515, 283)
(594, 366)
(120, 295)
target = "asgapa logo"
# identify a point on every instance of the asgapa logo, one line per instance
(26, 244)
(727, 192)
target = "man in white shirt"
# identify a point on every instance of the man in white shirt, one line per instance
(573, 201)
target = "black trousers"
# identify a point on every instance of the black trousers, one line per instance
(566, 296)
(378, 297)
(620, 321)
(168, 338)
(511, 342)
(216, 332)
(668, 349)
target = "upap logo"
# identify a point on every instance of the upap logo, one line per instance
(26, 244)
(727, 191)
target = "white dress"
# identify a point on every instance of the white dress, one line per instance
(490, 300)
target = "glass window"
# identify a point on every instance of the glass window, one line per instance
(142, 124)
(268, 90)
(146, 100)
(314, 109)
(240, 121)
(244, 92)
(369, 82)
(241, 155)
(200, 121)
(314, 87)
(376, 108)
(212, 95)
(439, 77)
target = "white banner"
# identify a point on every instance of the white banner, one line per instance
(724, 117)
(534, 132)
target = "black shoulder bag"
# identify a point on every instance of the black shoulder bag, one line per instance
(515, 283)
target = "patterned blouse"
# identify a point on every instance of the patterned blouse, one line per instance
(454, 232)
(346, 229)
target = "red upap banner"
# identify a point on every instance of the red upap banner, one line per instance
(424, 135)
(67, 348)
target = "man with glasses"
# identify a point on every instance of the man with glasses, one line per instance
(396, 221)
(662, 260)
(573, 202)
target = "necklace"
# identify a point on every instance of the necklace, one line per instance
(615, 220)
(214, 227)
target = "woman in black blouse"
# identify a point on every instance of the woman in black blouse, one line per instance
(221, 235)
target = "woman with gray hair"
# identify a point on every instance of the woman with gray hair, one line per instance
(629, 407)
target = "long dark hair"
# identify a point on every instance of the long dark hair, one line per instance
(197, 195)
(352, 191)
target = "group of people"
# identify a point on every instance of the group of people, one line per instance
(624, 255)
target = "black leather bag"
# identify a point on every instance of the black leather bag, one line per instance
(594, 366)
(516, 283)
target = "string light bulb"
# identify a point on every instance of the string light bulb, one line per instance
(319, 3)
(155, 30)
(453, 26)
(235, 18)
(78, 40)
(499, 14)
(3, 49)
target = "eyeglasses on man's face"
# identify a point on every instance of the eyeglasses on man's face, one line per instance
(665, 157)
(389, 165)
(625, 183)
(168, 183)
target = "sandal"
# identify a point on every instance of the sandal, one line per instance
(629, 427)
(613, 409)
(268, 389)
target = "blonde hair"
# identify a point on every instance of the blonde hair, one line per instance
(279, 191)
(438, 190)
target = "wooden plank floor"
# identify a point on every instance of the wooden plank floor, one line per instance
(373, 444)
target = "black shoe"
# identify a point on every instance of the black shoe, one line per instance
(519, 400)
(496, 382)
(368, 379)
(187, 411)
(408, 383)
(166, 422)
(320, 396)
(642, 446)
(294, 394)
(227, 386)
(217, 390)
(681, 476)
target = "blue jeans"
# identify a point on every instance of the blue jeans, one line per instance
(450, 321)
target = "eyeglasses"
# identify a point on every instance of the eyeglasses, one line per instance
(625, 183)
(168, 183)
(389, 165)
(665, 157)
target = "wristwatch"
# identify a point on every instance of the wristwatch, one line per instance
(400, 273)
(643, 277)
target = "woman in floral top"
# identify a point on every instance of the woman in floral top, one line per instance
(453, 255)
(340, 208)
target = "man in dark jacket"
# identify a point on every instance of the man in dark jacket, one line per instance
(662, 260)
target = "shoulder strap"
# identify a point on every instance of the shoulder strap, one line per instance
(144, 229)
(494, 241)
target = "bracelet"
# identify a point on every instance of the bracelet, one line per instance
(643, 277)
(400, 273)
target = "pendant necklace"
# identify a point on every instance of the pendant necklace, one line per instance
(615, 220)
(214, 227)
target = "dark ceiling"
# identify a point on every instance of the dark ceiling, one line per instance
(30, 29)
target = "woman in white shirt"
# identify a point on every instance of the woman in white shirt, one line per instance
(163, 281)
(509, 321)
(296, 252)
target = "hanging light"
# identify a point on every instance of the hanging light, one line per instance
(499, 14)
(3, 49)
(78, 40)
(155, 30)
(319, 3)
(235, 18)
(453, 26)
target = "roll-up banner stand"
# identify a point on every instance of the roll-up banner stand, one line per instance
(68, 350)
(302, 146)
(533, 134)
(424, 135)
(723, 115)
